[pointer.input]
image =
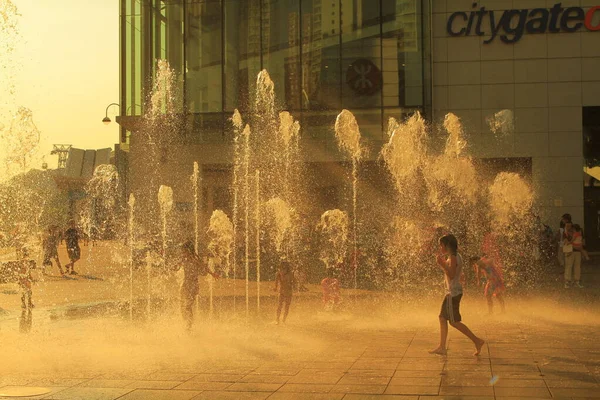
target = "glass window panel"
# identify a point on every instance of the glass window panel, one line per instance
(321, 76)
(281, 49)
(242, 52)
(204, 57)
(402, 53)
(362, 80)
(132, 57)
(361, 56)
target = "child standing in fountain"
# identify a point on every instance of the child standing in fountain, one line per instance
(50, 247)
(73, 250)
(193, 267)
(331, 290)
(284, 281)
(494, 287)
(450, 261)
(25, 280)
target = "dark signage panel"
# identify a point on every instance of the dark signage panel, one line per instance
(510, 25)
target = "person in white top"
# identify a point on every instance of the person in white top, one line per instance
(450, 261)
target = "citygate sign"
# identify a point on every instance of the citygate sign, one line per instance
(510, 25)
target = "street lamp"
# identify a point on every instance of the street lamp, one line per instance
(107, 120)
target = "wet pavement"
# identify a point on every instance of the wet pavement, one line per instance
(546, 346)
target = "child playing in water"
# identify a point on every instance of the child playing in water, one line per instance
(50, 247)
(25, 280)
(331, 290)
(284, 281)
(495, 283)
(73, 250)
(578, 242)
(450, 261)
(193, 267)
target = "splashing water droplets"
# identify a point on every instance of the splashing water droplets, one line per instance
(510, 198)
(502, 123)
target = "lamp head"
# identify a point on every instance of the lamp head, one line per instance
(106, 120)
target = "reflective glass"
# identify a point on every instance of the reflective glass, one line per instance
(203, 57)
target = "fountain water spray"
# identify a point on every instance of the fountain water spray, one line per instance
(501, 123)
(131, 204)
(511, 198)
(257, 219)
(9, 38)
(195, 185)
(246, 134)
(348, 137)
(278, 221)
(165, 200)
(238, 125)
(289, 133)
(21, 142)
(333, 229)
(220, 241)
(265, 93)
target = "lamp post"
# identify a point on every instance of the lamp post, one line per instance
(107, 120)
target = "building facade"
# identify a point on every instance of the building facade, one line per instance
(535, 60)
(541, 61)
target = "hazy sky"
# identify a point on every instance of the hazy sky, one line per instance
(68, 70)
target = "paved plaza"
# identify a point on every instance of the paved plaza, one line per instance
(376, 347)
(326, 357)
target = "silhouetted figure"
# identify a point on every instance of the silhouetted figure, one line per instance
(284, 282)
(26, 321)
(50, 247)
(193, 268)
(73, 250)
(331, 290)
(25, 280)
(494, 286)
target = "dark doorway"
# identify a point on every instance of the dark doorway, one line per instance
(591, 191)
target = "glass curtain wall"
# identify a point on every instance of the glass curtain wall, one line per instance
(323, 55)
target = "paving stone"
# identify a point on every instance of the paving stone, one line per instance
(366, 389)
(106, 383)
(572, 383)
(214, 378)
(467, 391)
(254, 378)
(539, 392)
(575, 393)
(516, 383)
(305, 396)
(404, 381)
(53, 390)
(363, 380)
(149, 394)
(419, 390)
(254, 387)
(305, 388)
(166, 376)
(418, 374)
(64, 382)
(153, 384)
(202, 385)
(84, 393)
(216, 395)
(376, 397)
